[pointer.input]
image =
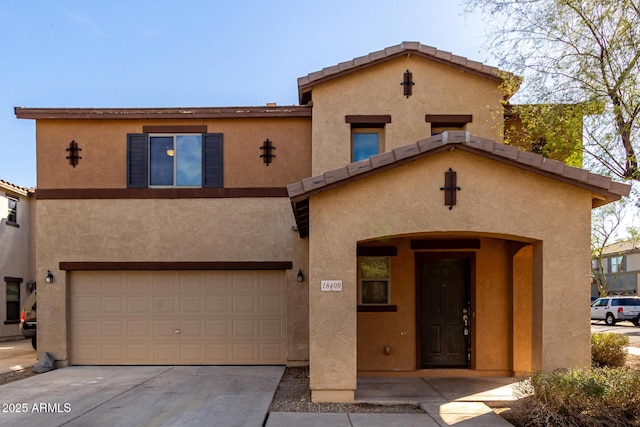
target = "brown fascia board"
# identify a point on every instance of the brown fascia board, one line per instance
(405, 48)
(604, 190)
(162, 113)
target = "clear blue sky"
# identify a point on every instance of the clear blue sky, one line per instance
(191, 53)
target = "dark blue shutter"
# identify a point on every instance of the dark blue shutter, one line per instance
(212, 160)
(137, 161)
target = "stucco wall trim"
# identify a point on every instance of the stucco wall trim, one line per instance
(157, 193)
(195, 265)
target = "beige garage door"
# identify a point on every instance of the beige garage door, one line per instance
(178, 317)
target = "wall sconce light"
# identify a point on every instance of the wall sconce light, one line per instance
(267, 152)
(300, 276)
(49, 277)
(74, 151)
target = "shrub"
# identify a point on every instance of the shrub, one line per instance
(607, 349)
(574, 397)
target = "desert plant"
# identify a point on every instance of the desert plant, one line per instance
(573, 397)
(608, 349)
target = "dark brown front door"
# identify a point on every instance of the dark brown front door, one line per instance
(444, 306)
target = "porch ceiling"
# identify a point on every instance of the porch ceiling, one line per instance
(603, 189)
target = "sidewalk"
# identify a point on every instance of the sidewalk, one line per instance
(446, 401)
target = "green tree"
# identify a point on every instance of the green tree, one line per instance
(582, 52)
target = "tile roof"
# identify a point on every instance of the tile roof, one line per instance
(621, 247)
(16, 188)
(405, 48)
(603, 186)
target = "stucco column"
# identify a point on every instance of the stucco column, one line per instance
(332, 317)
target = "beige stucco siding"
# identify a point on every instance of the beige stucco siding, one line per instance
(164, 230)
(438, 89)
(496, 200)
(104, 151)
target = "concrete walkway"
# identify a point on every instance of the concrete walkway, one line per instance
(446, 401)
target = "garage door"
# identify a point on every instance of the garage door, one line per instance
(177, 317)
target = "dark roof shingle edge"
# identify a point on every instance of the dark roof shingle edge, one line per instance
(24, 191)
(406, 47)
(599, 184)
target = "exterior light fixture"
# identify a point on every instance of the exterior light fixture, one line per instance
(73, 151)
(300, 276)
(49, 277)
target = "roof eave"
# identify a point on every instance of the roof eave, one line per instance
(161, 113)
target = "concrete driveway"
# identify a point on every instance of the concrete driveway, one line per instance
(141, 396)
(16, 355)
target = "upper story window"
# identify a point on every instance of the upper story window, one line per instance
(178, 160)
(175, 160)
(12, 211)
(616, 264)
(367, 135)
(365, 143)
(444, 122)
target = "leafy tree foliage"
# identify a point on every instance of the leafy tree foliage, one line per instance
(579, 52)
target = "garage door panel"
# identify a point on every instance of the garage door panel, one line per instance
(191, 328)
(219, 328)
(139, 306)
(223, 317)
(271, 304)
(138, 328)
(218, 304)
(113, 328)
(138, 282)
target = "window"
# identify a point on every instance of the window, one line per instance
(375, 278)
(616, 264)
(367, 135)
(444, 122)
(13, 299)
(175, 160)
(12, 213)
(365, 143)
(180, 160)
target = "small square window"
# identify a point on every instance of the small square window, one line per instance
(365, 143)
(375, 275)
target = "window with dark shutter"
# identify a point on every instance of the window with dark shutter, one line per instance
(212, 160)
(137, 161)
(178, 159)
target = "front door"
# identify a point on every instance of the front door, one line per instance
(444, 321)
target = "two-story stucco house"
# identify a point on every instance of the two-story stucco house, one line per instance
(16, 250)
(620, 265)
(381, 227)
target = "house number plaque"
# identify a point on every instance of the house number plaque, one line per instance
(331, 285)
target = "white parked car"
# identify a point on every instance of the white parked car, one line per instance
(615, 309)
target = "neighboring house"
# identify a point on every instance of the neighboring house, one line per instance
(621, 267)
(16, 266)
(379, 228)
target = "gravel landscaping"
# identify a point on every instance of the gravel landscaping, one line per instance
(293, 395)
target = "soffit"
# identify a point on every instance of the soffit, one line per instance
(603, 189)
(306, 83)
